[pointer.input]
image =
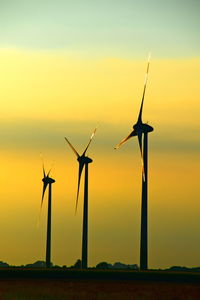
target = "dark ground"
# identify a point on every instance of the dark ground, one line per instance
(23, 284)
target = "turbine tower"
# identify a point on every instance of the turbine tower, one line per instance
(141, 130)
(47, 181)
(83, 161)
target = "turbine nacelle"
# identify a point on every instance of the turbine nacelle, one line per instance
(142, 128)
(48, 180)
(84, 159)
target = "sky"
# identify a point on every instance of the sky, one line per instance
(69, 66)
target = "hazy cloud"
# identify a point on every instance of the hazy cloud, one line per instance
(38, 134)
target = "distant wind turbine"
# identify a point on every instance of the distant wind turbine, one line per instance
(83, 161)
(47, 181)
(141, 130)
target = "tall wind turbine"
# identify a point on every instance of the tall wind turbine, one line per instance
(141, 130)
(83, 162)
(47, 181)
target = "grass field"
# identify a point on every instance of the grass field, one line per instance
(25, 287)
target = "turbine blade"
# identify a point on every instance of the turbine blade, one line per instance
(44, 171)
(142, 160)
(49, 172)
(90, 141)
(43, 192)
(133, 133)
(52, 165)
(42, 159)
(144, 90)
(81, 165)
(73, 149)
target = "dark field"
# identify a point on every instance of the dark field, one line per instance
(26, 284)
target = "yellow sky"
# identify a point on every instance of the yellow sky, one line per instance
(47, 95)
(62, 86)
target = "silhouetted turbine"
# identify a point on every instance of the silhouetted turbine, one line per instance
(83, 161)
(47, 181)
(141, 130)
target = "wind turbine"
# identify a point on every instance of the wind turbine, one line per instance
(83, 162)
(47, 181)
(141, 130)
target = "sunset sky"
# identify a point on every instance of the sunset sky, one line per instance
(69, 66)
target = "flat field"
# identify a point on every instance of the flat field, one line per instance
(23, 284)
